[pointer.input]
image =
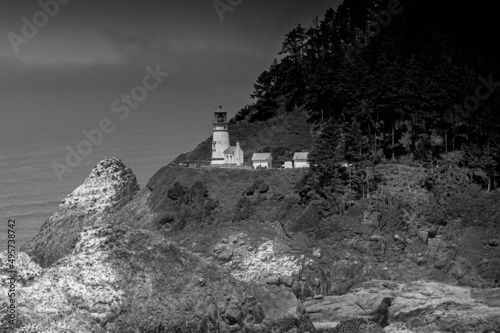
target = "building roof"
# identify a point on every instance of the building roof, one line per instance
(300, 156)
(261, 157)
(220, 110)
(230, 151)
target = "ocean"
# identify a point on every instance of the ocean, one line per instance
(30, 190)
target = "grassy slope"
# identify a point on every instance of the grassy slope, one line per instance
(282, 135)
(226, 185)
(407, 211)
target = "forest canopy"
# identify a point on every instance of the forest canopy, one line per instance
(410, 81)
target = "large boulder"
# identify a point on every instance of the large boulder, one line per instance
(419, 306)
(108, 188)
(122, 280)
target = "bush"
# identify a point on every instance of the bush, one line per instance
(198, 192)
(177, 191)
(243, 210)
(259, 185)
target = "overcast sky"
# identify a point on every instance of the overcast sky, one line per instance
(91, 52)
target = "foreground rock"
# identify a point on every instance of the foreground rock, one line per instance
(123, 280)
(412, 307)
(109, 186)
(25, 268)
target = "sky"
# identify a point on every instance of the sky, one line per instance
(64, 76)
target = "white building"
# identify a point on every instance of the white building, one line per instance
(288, 165)
(300, 160)
(220, 140)
(262, 160)
(222, 152)
(234, 155)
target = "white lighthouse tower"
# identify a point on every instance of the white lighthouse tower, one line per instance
(220, 141)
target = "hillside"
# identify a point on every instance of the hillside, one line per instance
(406, 231)
(419, 225)
(282, 135)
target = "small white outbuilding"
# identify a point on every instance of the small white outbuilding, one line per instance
(300, 160)
(262, 160)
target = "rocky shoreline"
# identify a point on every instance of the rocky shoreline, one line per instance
(103, 263)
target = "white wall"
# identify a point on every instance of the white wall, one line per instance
(301, 164)
(221, 139)
(239, 156)
(261, 164)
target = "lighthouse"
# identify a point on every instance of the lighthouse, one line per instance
(220, 141)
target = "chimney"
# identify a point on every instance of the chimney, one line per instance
(237, 143)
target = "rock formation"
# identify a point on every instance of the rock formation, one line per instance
(122, 280)
(419, 306)
(108, 187)
(250, 237)
(26, 269)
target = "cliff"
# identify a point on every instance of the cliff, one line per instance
(107, 188)
(122, 280)
(254, 224)
(113, 278)
(253, 228)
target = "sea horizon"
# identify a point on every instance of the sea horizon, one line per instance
(31, 191)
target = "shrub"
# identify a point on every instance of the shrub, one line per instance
(197, 193)
(243, 210)
(177, 191)
(259, 185)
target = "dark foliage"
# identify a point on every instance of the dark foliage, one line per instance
(258, 186)
(177, 191)
(390, 95)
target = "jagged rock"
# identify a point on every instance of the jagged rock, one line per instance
(418, 306)
(423, 236)
(265, 264)
(223, 252)
(123, 280)
(109, 187)
(25, 268)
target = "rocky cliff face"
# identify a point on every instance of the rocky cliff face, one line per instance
(108, 187)
(123, 280)
(267, 233)
(126, 277)
(253, 226)
(266, 236)
(419, 306)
